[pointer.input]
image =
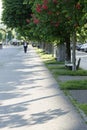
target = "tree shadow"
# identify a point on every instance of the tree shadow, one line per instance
(12, 115)
(43, 117)
(14, 76)
(12, 121)
(17, 120)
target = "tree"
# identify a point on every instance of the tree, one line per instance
(15, 13)
(51, 19)
(1, 36)
(61, 18)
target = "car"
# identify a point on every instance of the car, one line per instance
(84, 47)
(78, 46)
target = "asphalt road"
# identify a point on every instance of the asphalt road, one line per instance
(83, 56)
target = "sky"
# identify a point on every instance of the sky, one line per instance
(0, 8)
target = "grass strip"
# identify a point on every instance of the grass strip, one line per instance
(83, 107)
(74, 85)
(58, 68)
(69, 72)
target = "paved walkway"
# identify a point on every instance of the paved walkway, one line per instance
(30, 98)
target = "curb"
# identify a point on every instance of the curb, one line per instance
(83, 115)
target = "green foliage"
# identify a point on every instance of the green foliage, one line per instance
(1, 36)
(50, 20)
(9, 35)
(57, 19)
(15, 13)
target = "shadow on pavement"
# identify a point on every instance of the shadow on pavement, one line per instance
(18, 76)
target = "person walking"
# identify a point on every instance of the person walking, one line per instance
(25, 45)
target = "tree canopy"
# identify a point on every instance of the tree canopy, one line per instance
(15, 13)
(47, 19)
(58, 17)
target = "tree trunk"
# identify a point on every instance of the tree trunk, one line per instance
(53, 50)
(43, 46)
(68, 49)
(61, 52)
(74, 51)
(50, 48)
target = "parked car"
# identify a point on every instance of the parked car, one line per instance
(78, 46)
(84, 47)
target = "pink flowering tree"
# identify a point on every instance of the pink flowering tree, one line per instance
(59, 19)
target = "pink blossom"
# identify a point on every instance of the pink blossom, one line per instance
(45, 2)
(36, 21)
(45, 7)
(38, 8)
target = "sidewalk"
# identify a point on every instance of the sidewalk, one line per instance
(30, 98)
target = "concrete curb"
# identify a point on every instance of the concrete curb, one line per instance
(83, 115)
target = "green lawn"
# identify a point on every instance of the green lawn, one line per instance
(74, 85)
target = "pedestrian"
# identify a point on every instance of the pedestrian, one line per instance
(25, 45)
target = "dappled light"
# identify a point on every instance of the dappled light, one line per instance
(30, 98)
